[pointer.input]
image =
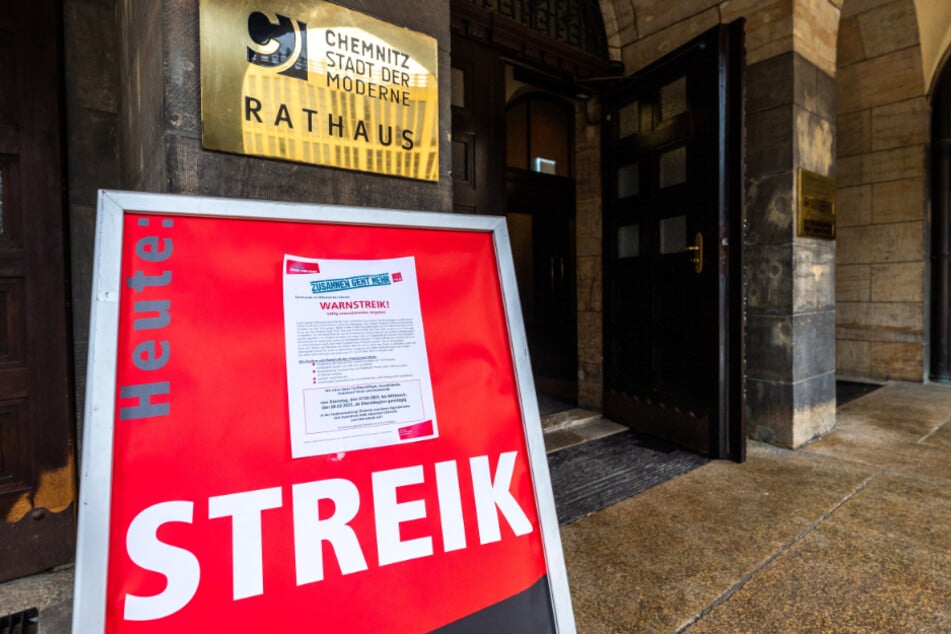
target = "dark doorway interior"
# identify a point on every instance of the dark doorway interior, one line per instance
(540, 208)
(848, 391)
(516, 67)
(515, 159)
(941, 228)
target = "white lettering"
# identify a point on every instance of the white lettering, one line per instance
(450, 506)
(178, 565)
(491, 493)
(247, 552)
(390, 514)
(322, 513)
(310, 531)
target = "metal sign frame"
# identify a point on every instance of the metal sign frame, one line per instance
(92, 557)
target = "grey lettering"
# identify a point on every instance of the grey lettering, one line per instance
(144, 393)
(144, 355)
(148, 249)
(159, 306)
(140, 280)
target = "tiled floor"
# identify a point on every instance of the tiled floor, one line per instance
(850, 534)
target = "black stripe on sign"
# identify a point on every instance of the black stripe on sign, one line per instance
(528, 612)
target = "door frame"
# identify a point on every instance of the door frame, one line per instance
(728, 431)
(38, 481)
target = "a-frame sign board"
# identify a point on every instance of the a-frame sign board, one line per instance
(310, 418)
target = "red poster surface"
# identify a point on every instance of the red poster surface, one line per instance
(213, 524)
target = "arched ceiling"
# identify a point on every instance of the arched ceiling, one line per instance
(812, 27)
(934, 27)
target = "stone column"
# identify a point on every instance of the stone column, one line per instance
(588, 227)
(790, 330)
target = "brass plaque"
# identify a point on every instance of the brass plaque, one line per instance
(317, 83)
(816, 205)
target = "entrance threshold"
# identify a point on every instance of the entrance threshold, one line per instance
(590, 474)
(575, 426)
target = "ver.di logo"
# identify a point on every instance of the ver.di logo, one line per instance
(278, 42)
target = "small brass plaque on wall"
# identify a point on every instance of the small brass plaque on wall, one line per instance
(314, 82)
(816, 217)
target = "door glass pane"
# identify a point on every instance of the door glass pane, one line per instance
(628, 181)
(673, 99)
(627, 120)
(673, 234)
(673, 167)
(458, 82)
(629, 241)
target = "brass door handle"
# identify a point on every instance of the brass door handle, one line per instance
(697, 249)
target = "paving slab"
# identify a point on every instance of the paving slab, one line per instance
(941, 438)
(850, 534)
(901, 427)
(908, 511)
(843, 577)
(906, 411)
(659, 560)
(918, 459)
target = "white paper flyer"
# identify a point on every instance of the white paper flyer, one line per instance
(357, 370)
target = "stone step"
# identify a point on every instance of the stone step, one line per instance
(567, 418)
(580, 430)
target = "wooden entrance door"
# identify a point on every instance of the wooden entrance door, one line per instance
(37, 482)
(671, 247)
(478, 126)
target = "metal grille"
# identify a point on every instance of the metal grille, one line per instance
(577, 23)
(25, 622)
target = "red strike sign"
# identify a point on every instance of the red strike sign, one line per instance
(213, 524)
